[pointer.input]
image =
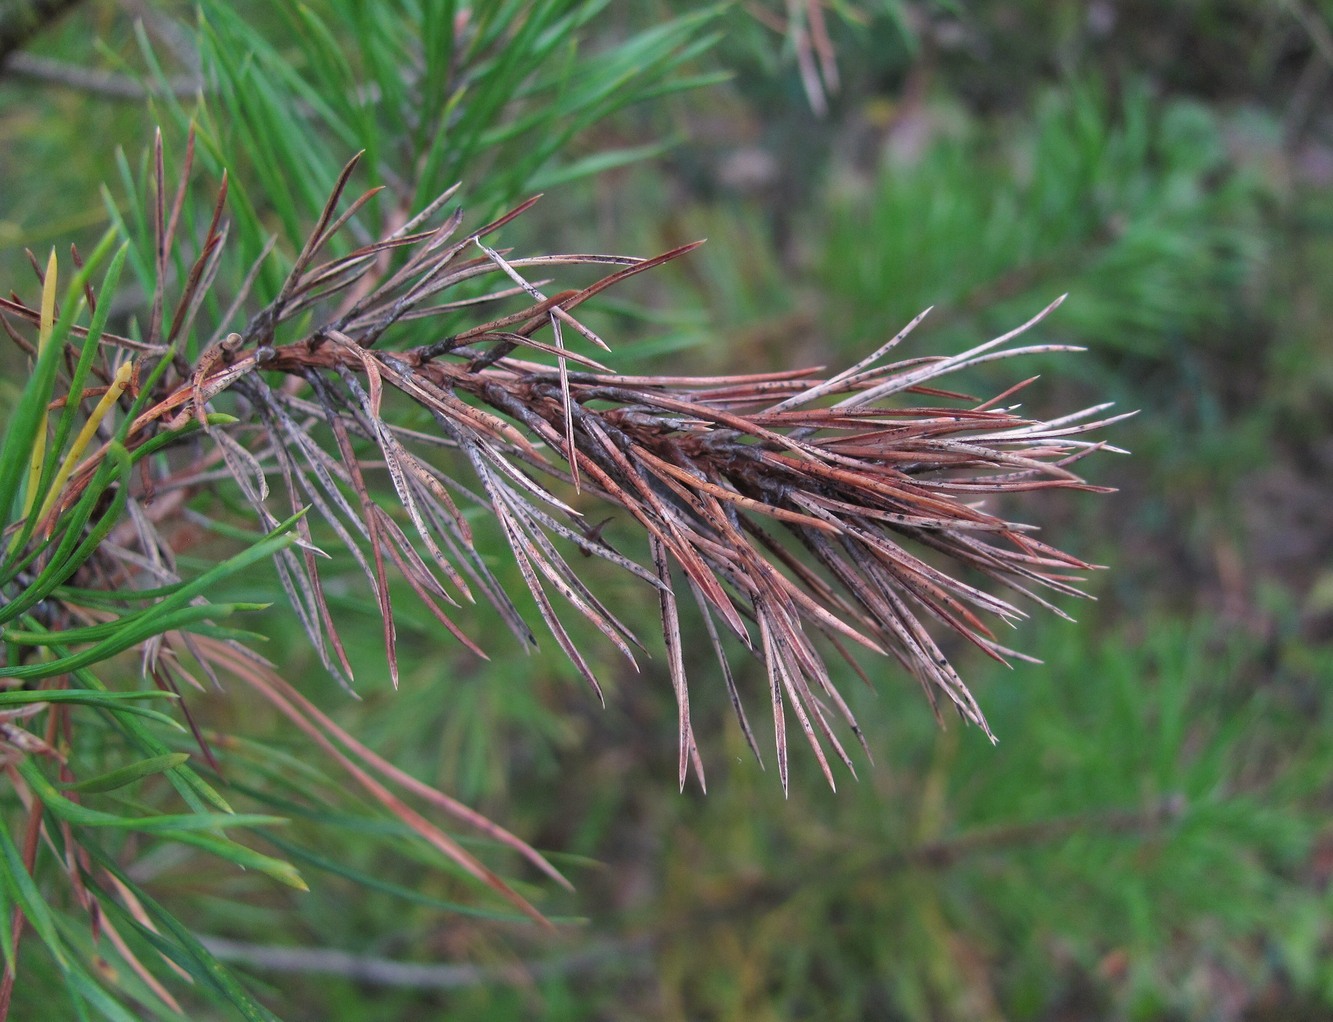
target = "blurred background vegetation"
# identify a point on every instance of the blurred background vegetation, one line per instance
(1150, 839)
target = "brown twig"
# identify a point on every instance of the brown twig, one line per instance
(102, 84)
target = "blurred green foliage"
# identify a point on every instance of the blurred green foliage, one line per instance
(1131, 205)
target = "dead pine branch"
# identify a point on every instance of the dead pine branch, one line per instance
(803, 514)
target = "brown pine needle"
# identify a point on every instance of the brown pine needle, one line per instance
(801, 510)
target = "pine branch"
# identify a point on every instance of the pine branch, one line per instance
(803, 514)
